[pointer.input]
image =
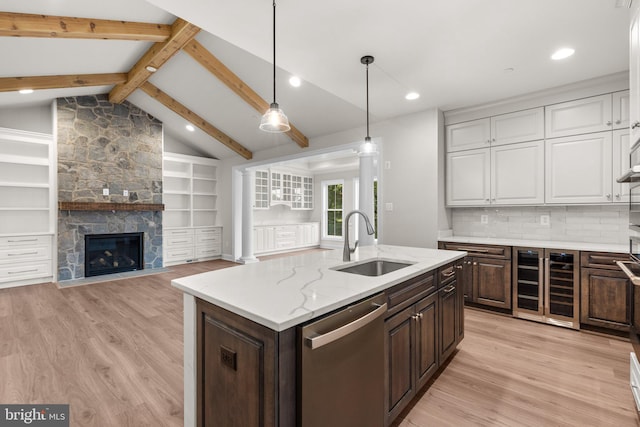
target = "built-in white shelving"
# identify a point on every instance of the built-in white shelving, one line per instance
(191, 206)
(27, 207)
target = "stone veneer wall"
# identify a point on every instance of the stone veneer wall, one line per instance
(104, 145)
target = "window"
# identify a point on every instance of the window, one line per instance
(332, 203)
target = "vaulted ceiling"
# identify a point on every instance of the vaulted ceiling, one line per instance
(454, 53)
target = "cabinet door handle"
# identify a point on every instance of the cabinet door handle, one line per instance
(635, 125)
(23, 271)
(609, 123)
(459, 267)
(618, 121)
(609, 196)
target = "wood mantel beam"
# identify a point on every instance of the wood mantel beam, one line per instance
(28, 25)
(195, 119)
(10, 84)
(181, 33)
(233, 82)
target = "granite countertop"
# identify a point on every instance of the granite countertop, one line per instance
(553, 244)
(285, 292)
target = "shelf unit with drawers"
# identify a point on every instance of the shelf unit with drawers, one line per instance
(190, 198)
(27, 207)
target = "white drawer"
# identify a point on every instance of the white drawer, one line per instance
(285, 243)
(178, 254)
(44, 240)
(24, 253)
(207, 239)
(178, 241)
(208, 231)
(177, 232)
(208, 251)
(24, 271)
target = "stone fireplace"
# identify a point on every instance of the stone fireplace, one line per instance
(115, 147)
(112, 253)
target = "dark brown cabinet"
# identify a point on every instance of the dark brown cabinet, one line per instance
(486, 274)
(606, 292)
(246, 371)
(412, 353)
(421, 334)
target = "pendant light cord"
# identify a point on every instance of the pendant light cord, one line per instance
(274, 51)
(367, 138)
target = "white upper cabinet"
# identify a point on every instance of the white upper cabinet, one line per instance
(521, 126)
(468, 178)
(579, 169)
(517, 173)
(634, 76)
(581, 116)
(621, 164)
(469, 135)
(620, 116)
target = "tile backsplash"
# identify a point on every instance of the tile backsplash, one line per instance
(597, 224)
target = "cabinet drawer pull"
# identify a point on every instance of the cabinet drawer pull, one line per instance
(181, 254)
(601, 258)
(451, 273)
(180, 241)
(179, 232)
(23, 240)
(449, 289)
(472, 249)
(635, 125)
(23, 271)
(23, 253)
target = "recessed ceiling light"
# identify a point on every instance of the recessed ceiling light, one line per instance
(295, 81)
(25, 91)
(509, 70)
(562, 53)
(412, 95)
(190, 128)
(151, 68)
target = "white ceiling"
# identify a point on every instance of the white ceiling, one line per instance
(453, 52)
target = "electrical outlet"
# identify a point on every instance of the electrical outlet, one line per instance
(387, 164)
(544, 220)
(105, 191)
(484, 219)
(125, 193)
(388, 207)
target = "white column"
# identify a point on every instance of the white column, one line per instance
(367, 155)
(248, 182)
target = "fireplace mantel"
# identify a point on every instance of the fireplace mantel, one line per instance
(98, 206)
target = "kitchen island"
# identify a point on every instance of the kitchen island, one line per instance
(257, 307)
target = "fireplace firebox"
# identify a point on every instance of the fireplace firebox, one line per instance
(113, 253)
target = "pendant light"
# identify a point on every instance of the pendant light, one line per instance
(368, 146)
(274, 120)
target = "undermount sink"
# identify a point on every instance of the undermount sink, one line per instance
(374, 267)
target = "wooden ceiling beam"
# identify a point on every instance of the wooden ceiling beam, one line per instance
(195, 119)
(233, 82)
(181, 33)
(27, 25)
(10, 84)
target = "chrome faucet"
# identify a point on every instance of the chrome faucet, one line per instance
(346, 254)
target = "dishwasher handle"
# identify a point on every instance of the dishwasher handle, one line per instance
(329, 337)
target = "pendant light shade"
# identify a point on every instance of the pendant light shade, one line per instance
(274, 119)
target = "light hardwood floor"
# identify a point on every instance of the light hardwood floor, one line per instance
(113, 351)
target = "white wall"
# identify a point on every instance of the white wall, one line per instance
(410, 142)
(33, 119)
(175, 145)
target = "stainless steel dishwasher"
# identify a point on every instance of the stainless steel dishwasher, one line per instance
(341, 367)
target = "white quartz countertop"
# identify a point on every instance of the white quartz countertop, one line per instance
(284, 292)
(553, 244)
